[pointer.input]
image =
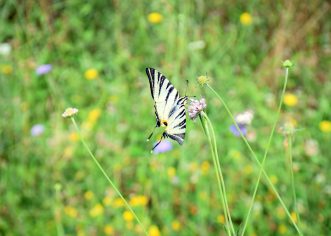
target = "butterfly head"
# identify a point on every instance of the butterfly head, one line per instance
(164, 123)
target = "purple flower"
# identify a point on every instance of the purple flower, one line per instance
(43, 69)
(236, 132)
(37, 130)
(164, 146)
(195, 107)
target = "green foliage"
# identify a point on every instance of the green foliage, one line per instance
(98, 51)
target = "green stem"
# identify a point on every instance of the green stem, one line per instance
(218, 174)
(106, 176)
(292, 178)
(255, 158)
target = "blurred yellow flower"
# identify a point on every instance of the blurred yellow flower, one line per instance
(91, 74)
(118, 202)
(202, 80)
(6, 69)
(154, 231)
(108, 230)
(96, 210)
(248, 169)
(290, 99)
(246, 18)
(205, 166)
(176, 225)
(325, 126)
(171, 172)
(73, 137)
(107, 201)
(139, 200)
(273, 179)
(88, 195)
(221, 219)
(127, 216)
(155, 17)
(282, 229)
(294, 217)
(70, 211)
(94, 115)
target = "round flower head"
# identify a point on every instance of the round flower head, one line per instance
(164, 146)
(37, 130)
(202, 80)
(69, 112)
(43, 69)
(195, 107)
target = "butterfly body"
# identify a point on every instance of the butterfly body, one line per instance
(169, 107)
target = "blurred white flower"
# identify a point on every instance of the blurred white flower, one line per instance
(69, 112)
(245, 117)
(37, 130)
(196, 45)
(5, 49)
(311, 147)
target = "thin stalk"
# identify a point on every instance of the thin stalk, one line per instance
(206, 129)
(255, 158)
(106, 176)
(219, 175)
(292, 178)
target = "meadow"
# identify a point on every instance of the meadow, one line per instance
(266, 60)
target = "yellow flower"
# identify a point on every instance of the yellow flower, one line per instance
(70, 211)
(155, 17)
(248, 169)
(294, 217)
(154, 231)
(290, 99)
(96, 210)
(73, 137)
(246, 18)
(205, 166)
(171, 172)
(273, 179)
(118, 202)
(6, 69)
(325, 126)
(139, 200)
(107, 200)
(176, 225)
(221, 219)
(88, 195)
(128, 216)
(282, 229)
(94, 115)
(91, 74)
(108, 230)
(202, 80)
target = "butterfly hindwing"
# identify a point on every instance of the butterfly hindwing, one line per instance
(169, 106)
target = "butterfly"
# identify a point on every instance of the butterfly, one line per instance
(169, 107)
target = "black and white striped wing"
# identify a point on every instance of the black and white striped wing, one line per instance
(177, 122)
(163, 92)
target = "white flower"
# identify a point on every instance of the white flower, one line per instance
(37, 130)
(69, 112)
(196, 45)
(244, 118)
(5, 49)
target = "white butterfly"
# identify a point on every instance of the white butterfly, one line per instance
(169, 107)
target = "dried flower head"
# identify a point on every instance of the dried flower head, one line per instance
(69, 112)
(195, 107)
(203, 79)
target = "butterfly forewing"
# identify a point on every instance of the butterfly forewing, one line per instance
(169, 106)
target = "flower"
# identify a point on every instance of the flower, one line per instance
(196, 107)
(282, 229)
(118, 202)
(94, 115)
(139, 200)
(171, 171)
(155, 17)
(6, 69)
(205, 166)
(88, 195)
(236, 132)
(164, 146)
(37, 130)
(290, 99)
(69, 112)
(108, 230)
(176, 225)
(96, 210)
(325, 126)
(202, 80)
(5, 49)
(294, 217)
(128, 216)
(91, 74)
(311, 147)
(107, 200)
(196, 45)
(70, 211)
(221, 219)
(154, 231)
(43, 69)
(246, 18)
(73, 136)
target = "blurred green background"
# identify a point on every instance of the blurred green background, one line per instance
(92, 55)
